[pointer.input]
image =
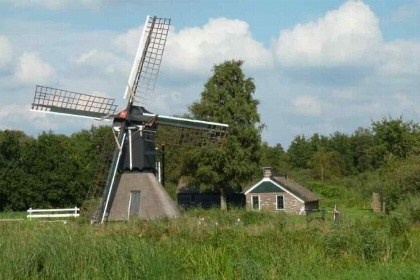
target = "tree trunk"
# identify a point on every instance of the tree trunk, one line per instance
(223, 204)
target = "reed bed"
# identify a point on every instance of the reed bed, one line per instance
(209, 244)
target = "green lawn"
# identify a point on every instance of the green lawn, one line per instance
(209, 244)
(13, 215)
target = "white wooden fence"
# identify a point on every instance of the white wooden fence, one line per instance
(53, 213)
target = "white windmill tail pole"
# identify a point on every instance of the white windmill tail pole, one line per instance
(112, 181)
(130, 149)
(159, 175)
(137, 59)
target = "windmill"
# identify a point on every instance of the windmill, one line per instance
(132, 189)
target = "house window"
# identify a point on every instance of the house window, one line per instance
(255, 202)
(280, 202)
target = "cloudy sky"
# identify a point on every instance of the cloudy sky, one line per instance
(319, 66)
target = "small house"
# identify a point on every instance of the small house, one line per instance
(279, 193)
(190, 196)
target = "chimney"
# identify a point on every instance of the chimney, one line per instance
(267, 172)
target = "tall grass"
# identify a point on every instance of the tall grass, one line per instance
(212, 245)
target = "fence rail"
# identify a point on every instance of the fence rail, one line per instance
(71, 212)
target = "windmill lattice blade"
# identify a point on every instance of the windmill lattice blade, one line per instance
(187, 132)
(156, 33)
(53, 100)
(191, 137)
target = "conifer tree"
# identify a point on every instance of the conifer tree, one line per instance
(228, 97)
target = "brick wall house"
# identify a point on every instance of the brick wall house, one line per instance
(279, 193)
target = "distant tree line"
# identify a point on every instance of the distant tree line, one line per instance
(48, 171)
(56, 170)
(341, 154)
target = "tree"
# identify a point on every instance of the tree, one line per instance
(397, 137)
(325, 164)
(362, 142)
(13, 185)
(227, 98)
(300, 151)
(274, 157)
(317, 141)
(400, 180)
(341, 143)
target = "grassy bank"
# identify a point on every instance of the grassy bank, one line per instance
(214, 245)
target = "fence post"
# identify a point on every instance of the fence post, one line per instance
(337, 215)
(30, 213)
(308, 217)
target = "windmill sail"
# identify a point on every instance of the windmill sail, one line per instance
(133, 166)
(182, 131)
(58, 101)
(145, 70)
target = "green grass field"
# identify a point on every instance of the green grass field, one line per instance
(209, 244)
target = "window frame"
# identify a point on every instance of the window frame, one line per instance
(252, 202)
(277, 202)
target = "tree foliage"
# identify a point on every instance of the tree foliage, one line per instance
(325, 165)
(274, 157)
(228, 97)
(300, 152)
(50, 171)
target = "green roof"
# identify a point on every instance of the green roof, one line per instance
(266, 187)
(286, 183)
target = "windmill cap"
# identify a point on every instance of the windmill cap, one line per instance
(122, 114)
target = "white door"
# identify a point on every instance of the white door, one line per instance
(134, 204)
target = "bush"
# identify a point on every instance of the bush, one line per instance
(338, 243)
(397, 223)
(410, 208)
(413, 207)
(374, 244)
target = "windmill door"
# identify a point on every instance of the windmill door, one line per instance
(134, 205)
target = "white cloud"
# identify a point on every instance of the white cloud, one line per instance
(31, 69)
(347, 35)
(405, 12)
(13, 115)
(103, 61)
(6, 51)
(197, 49)
(402, 100)
(343, 93)
(400, 57)
(307, 105)
(129, 40)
